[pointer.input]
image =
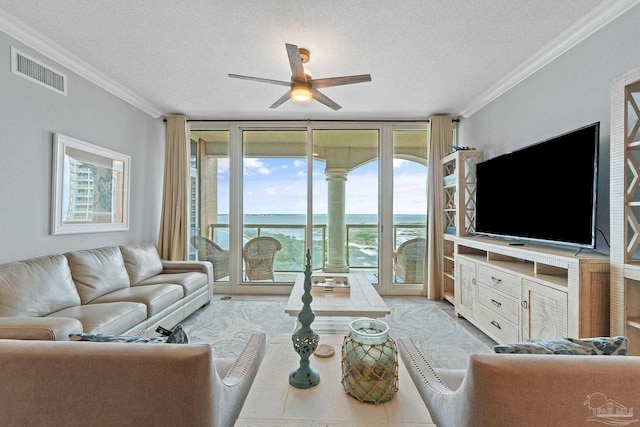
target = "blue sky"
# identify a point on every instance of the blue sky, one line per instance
(277, 186)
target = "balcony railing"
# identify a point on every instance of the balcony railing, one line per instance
(361, 242)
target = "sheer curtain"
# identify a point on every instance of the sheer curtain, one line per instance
(172, 242)
(441, 136)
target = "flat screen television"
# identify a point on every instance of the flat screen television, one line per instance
(545, 192)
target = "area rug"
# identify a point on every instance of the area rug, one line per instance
(227, 325)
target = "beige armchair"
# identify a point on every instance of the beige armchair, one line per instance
(84, 384)
(259, 254)
(212, 252)
(525, 390)
(409, 260)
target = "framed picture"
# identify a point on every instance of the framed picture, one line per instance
(90, 189)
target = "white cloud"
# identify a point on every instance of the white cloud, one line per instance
(398, 163)
(253, 166)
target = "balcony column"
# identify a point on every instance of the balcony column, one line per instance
(336, 228)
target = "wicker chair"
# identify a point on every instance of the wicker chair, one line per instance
(259, 254)
(409, 260)
(210, 251)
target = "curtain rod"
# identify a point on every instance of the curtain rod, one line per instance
(323, 120)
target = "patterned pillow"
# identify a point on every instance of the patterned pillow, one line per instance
(613, 346)
(116, 338)
(176, 336)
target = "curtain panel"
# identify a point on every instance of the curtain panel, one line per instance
(441, 136)
(172, 242)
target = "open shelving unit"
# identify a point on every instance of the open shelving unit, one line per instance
(625, 208)
(458, 194)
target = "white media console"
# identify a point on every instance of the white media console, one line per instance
(530, 292)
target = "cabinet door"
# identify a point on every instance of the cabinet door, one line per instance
(467, 288)
(544, 312)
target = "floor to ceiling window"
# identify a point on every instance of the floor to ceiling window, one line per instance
(210, 154)
(409, 204)
(352, 193)
(274, 205)
(346, 204)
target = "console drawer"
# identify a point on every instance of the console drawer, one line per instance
(497, 326)
(499, 303)
(498, 279)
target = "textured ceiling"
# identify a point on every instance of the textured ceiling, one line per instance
(425, 56)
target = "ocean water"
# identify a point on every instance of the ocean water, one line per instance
(300, 219)
(298, 222)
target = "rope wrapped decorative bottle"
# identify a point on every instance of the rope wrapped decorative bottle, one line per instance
(305, 341)
(369, 362)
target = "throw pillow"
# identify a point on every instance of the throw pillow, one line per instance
(577, 346)
(176, 336)
(116, 338)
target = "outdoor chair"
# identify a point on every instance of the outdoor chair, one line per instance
(409, 260)
(210, 251)
(259, 254)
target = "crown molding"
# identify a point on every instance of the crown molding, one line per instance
(589, 24)
(20, 31)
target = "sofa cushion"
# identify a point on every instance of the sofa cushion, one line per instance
(141, 262)
(191, 282)
(97, 272)
(107, 318)
(155, 297)
(36, 287)
(578, 346)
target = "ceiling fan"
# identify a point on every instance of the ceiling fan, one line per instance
(303, 88)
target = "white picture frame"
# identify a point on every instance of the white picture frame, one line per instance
(90, 188)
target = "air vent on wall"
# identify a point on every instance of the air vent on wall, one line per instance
(37, 72)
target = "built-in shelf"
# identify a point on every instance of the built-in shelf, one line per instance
(624, 202)
(458, 211)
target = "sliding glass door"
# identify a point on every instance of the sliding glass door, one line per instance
(274, 205)
(409, 205)
(351, 193)
(345, 198)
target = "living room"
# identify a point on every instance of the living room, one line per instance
(561, 82)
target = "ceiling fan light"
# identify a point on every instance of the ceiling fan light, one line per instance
(301, 94)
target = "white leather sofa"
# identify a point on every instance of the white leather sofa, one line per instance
(98, 384)
(109, 290)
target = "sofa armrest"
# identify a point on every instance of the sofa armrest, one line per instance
(231, 391)
(187, 266)
(39, 328)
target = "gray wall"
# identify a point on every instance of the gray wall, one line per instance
(29, 116)
(572, 91)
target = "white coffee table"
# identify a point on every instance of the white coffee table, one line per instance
(333, 311)
(273, 402)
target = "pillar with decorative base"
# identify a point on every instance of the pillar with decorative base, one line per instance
(305, 341)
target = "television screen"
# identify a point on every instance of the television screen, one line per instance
(544, 192)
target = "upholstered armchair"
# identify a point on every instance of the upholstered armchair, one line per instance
(66, 383)
(497, 390)
(212, 252)
(409, 260)
(259, 255)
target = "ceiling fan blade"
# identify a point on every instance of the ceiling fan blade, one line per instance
(281, 100)
(320, 97)
(297, 70)
(338, 81)
(260, 79)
